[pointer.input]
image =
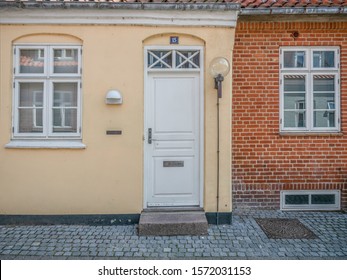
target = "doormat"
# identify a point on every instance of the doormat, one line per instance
(285, 229)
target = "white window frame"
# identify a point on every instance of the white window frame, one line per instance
(48, 78)
(16, 106)
(309, 72)
(294, 207)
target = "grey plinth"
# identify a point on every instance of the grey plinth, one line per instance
(173, 223)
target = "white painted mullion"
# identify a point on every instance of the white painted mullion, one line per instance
(174, 55)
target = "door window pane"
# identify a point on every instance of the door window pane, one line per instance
(294, 59)
(32, 61)
(65, 61)
(65, 107)
(30, 109)
(188, 59)
(323, 59)
(160, 59)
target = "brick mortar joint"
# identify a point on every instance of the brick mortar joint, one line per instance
(270, 26)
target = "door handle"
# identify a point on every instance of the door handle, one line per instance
(149, 135)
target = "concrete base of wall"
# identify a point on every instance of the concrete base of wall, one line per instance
(95, 220)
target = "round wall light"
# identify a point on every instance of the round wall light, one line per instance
(219, 66)
(113, 97)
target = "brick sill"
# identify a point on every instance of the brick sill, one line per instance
(321, 134)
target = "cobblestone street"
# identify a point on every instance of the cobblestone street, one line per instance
(244, 239)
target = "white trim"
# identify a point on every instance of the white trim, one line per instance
(120, 17)
(45, 144)
(310, 206)
(147, 72)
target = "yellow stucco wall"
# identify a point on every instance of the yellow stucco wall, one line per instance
(107, 176)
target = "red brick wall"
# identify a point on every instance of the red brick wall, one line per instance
(263, 161)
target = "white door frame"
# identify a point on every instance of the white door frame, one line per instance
(201, 114)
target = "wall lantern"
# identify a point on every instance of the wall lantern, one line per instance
(219, 68)
(113, 97)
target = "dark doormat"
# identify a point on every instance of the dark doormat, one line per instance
(285, 229)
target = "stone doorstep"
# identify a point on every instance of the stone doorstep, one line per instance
(173, 223)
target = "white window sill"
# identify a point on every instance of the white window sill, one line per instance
(45, 144)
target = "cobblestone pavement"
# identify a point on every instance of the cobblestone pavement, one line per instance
(242, 240)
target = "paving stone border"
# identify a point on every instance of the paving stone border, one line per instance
(243, 239)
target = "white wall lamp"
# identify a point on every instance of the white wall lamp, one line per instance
(113, 97)
(219, 68)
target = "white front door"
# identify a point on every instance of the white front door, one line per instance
(172, 139)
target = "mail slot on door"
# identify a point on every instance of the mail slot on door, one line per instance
(173, 163)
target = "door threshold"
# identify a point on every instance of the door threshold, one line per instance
(173, 209)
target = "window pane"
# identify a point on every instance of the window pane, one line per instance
(294, 83)
(323, 119)
(160, 59)
(294, 101)
(64, 120)
(323, 199)
(30, 109)
(294, 59)
(323, 59)
(188, 59)
(65, 61)
(32, 61)
(65, 107)
(324, 101)
(296, 199)
(324, 83)
(294, 119)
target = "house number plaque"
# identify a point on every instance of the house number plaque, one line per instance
(174, 40)
(173, 163)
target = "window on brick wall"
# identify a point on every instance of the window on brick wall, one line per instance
(309, 80)
(47, 94)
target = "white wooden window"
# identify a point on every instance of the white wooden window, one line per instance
(309, 94)
(47, 92)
